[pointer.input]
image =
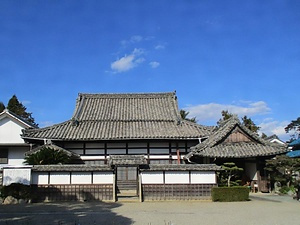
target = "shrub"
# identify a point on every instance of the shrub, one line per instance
(286, 189)
(230, 194)
(18, 191)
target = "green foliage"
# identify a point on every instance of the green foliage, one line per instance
(19, 109)
(286, 189)
(48, 156)
(294, 126)
(18, 191)
(230, 174)
(247, 122)
(225, 116)
(282, 169)
(230, 194)
(2, 107)
(184, 115)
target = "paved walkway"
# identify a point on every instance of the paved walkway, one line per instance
(263, 209)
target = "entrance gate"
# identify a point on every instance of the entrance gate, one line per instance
(127, 181)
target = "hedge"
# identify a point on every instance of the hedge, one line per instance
(230, 194)
(18, 191)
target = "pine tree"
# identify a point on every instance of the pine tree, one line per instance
(2, 107)
(19, 109)
(184, 115)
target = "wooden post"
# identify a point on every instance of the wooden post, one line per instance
(178, 156)
(114, 187)
(140, 188)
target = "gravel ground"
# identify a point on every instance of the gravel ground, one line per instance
(263, 209)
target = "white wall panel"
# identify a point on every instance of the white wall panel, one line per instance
(152, 177)
(16, 155)
(10, 131)
(81, 178)
(59, 178)
(203, 177)
(86, 157)
(39, 178)
(16, 175)
(159, 157)
(103, 178)
(177, 177)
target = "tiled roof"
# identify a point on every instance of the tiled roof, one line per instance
(8, 113)
(182, 167)
(216, 147)
(69, 168)
(123, 116)
(127, 160)
(54, 148)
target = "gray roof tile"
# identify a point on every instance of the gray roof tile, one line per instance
(216, 147)
(123, 116)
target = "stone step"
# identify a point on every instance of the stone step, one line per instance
(128, 199)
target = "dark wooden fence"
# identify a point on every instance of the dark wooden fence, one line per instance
(89, 192)
(159, 192)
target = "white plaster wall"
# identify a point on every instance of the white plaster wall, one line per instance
(16, 175)
(16, 155)
(91, 157)
(203, 177)
(159, 157)
(152, 177)
(10, 131)
(59, 178)
(103, 178)
(81, 178)
(177, 177)
(39, 178)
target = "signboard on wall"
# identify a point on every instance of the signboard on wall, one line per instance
(16, 175)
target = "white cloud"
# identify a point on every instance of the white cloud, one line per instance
(212, 111)
(154, 64)
(159, 47)
(136, 38)
(270, 127)
(46, 124)
(26, 102)
(133, 39)
(128, 61)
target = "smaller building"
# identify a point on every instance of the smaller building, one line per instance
(12, 146)
(233, 142)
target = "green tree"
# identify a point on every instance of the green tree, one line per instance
(264, 136)
(230, 171)
(48, 156)
(19, 109)
(294, 126)
(184, 115)
(2, 107)
(282, 169)
(225, 116)
(247, 122)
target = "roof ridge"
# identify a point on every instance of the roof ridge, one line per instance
(128, 95)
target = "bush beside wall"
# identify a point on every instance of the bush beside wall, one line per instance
(18, 191)
(230, 194)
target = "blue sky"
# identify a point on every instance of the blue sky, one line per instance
(241, 56)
